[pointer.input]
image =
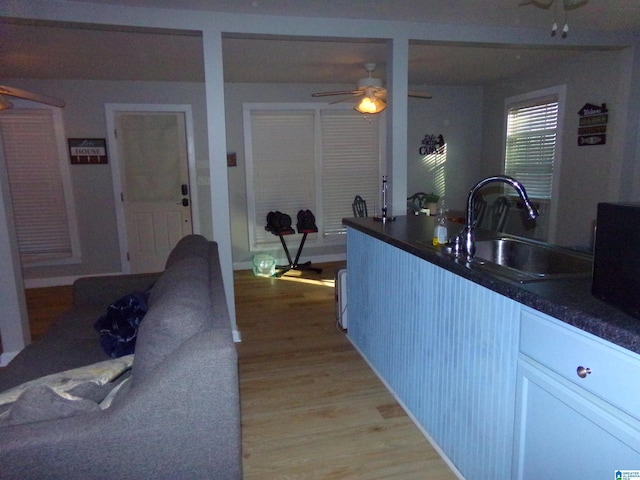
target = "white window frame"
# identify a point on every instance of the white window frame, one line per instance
(65, 178)
(316, 108)
(557, 93)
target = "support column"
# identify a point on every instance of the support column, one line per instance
(14, 322)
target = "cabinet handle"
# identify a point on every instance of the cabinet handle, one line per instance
(583, 371)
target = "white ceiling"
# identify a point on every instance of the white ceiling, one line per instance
(89, 52)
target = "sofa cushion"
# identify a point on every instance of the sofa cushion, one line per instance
(179, 308)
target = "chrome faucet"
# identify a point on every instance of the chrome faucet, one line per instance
(468, 240)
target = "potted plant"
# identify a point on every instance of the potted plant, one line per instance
(431, 201)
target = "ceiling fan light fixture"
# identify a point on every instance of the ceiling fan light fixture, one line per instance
(370, 105)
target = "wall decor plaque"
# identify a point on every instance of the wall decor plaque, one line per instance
(87, 151)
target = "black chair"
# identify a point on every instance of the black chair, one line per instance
(417, 202)
(499, 213)
(359, 206)
(479, 209)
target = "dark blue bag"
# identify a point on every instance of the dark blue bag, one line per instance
(118, 327)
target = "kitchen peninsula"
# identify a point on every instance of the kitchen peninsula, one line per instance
(508, 380)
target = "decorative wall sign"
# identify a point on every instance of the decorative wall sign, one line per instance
(431, 144)
(593, 125)
(87, 151)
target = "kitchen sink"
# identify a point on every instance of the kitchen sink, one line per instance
(526, 261)
(523, 260)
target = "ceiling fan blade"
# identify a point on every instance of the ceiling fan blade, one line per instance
(546, 4)
(5, 103)
(344, 92)
(420, 95)
(16, 92)
(348, 99)
(573, 4)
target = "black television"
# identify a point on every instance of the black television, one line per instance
(616, 259)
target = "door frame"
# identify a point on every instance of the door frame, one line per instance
(111, 110)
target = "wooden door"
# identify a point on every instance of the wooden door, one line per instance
(155, 185)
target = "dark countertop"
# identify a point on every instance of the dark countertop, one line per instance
(569, 300)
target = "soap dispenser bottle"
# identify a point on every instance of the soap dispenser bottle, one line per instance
(440, 233)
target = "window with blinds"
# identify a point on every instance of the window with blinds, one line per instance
(308, 157)
(39, 185)
(532, 131)
(350, 165)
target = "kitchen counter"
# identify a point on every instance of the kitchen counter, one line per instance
(568, 300)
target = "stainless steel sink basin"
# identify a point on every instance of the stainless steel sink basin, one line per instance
(527, 261)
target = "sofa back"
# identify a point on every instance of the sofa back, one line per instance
(189, 246)
(180, 304)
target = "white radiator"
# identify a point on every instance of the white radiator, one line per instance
(341, 298)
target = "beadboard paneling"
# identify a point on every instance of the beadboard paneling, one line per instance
(445, 346)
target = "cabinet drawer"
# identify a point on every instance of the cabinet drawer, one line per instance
(614, 372)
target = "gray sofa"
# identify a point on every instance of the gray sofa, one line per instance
(177, 417)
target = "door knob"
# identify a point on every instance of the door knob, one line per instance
(583, 371)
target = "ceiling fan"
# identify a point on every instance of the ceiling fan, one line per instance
(546, 4)
(370, 94)
(567, 5)
(18, 93)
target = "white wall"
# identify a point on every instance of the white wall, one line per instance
(588, 175)
(456, 114)
(84, 117)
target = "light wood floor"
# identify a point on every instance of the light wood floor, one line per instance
(311, 406)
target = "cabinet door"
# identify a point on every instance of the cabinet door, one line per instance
(563, 432)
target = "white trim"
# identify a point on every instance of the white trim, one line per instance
(62, 281)
(336, 257)
(237, 337)
(111, 109)
(6, 357)
(559, 91)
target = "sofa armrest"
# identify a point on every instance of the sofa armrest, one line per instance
(104, 290)
(183, 421)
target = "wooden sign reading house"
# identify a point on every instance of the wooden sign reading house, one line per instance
(87, 151)
(593, 125)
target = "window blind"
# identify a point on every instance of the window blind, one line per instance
(350, 165)
(283, 161)
(36, 186)
(309, 158)
(531, 146)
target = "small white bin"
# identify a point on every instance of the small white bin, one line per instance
(264, 265)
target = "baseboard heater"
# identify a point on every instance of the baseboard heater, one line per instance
(341, 298)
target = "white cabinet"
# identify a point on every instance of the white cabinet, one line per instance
(494, 384)
(578, 407)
